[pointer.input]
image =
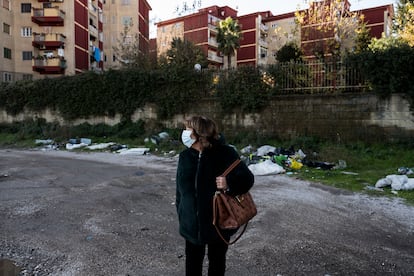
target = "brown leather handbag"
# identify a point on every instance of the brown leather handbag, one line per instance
(232, 212)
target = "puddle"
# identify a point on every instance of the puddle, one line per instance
(8, 268)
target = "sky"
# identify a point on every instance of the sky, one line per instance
(165, 9)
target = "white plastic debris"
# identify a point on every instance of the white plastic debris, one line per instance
(264, 150)
(397, 182)
(44, 141)
(246, 150)
(70, 146)
(100, 146)
(137, 151)
(163, 135)
(265, 168)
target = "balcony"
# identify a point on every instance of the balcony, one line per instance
(212, 27)
(212, 42)
(263, 42)
(264, 28)
(48, 41)
(48, 16)
(212, 56)
(93, 31)
(50, 1)
(51, 66)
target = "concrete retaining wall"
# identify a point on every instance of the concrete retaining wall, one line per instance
(344, 117)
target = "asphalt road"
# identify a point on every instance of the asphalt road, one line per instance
(66, 213)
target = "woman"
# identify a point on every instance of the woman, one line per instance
(198, 178)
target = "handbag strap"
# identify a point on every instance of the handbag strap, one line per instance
(231, 167)
(215, 210)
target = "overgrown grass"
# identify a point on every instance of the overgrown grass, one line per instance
(365, 164)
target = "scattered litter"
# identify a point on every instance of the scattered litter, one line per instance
(44, 142)
(86, 141)
(341, 165)
(405, 170)
(372, 188)
(247, 150)
(295, 165)
(265, 168)
(156, 139)
(264, 150)
(75, 143)
(100, 146)
(138, 151)
(163, 135)
(397, 182)
(350, 173)
(320, 165)
(70, 146)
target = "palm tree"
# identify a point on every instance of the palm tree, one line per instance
(228, 37)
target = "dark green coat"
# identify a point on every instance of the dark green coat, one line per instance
(196, 185)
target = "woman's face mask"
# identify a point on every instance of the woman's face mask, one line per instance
(186, 138)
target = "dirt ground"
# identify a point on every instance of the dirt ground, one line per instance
(65, 213)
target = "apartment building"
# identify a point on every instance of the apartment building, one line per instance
(324, 33)
(120, 14)
(379, 20)
(50, 38)
(200, 28)
(263, 33)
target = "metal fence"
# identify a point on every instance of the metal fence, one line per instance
(316, 77)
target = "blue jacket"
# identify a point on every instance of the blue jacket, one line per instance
(196, 185)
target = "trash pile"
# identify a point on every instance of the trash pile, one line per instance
(271, 160)
(86, 143)
(265, 160)
(398, 182)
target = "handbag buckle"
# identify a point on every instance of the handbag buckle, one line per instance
(239, 198)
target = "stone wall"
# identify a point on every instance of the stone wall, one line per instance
(342, 117)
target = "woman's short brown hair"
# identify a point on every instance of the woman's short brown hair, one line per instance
(205, 129)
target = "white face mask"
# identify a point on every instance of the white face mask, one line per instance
(186, 138)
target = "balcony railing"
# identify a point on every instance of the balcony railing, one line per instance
(214, 57)
(212, 42)
(55, 65)
(48, 16)
(93, 31)
(262, 42)
(212, 27)
(48, 41)
(264, 28)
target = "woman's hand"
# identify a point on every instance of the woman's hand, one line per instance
(221, 183)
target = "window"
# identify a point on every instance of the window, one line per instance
(6, 4)
(7, 77)
(113, 58)
(126, 2)
(7, 53)
(126, 20)
(26, 7)
(6, 28)
(26, 32)
(27, 55)
(263, 52)
(27, 77)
